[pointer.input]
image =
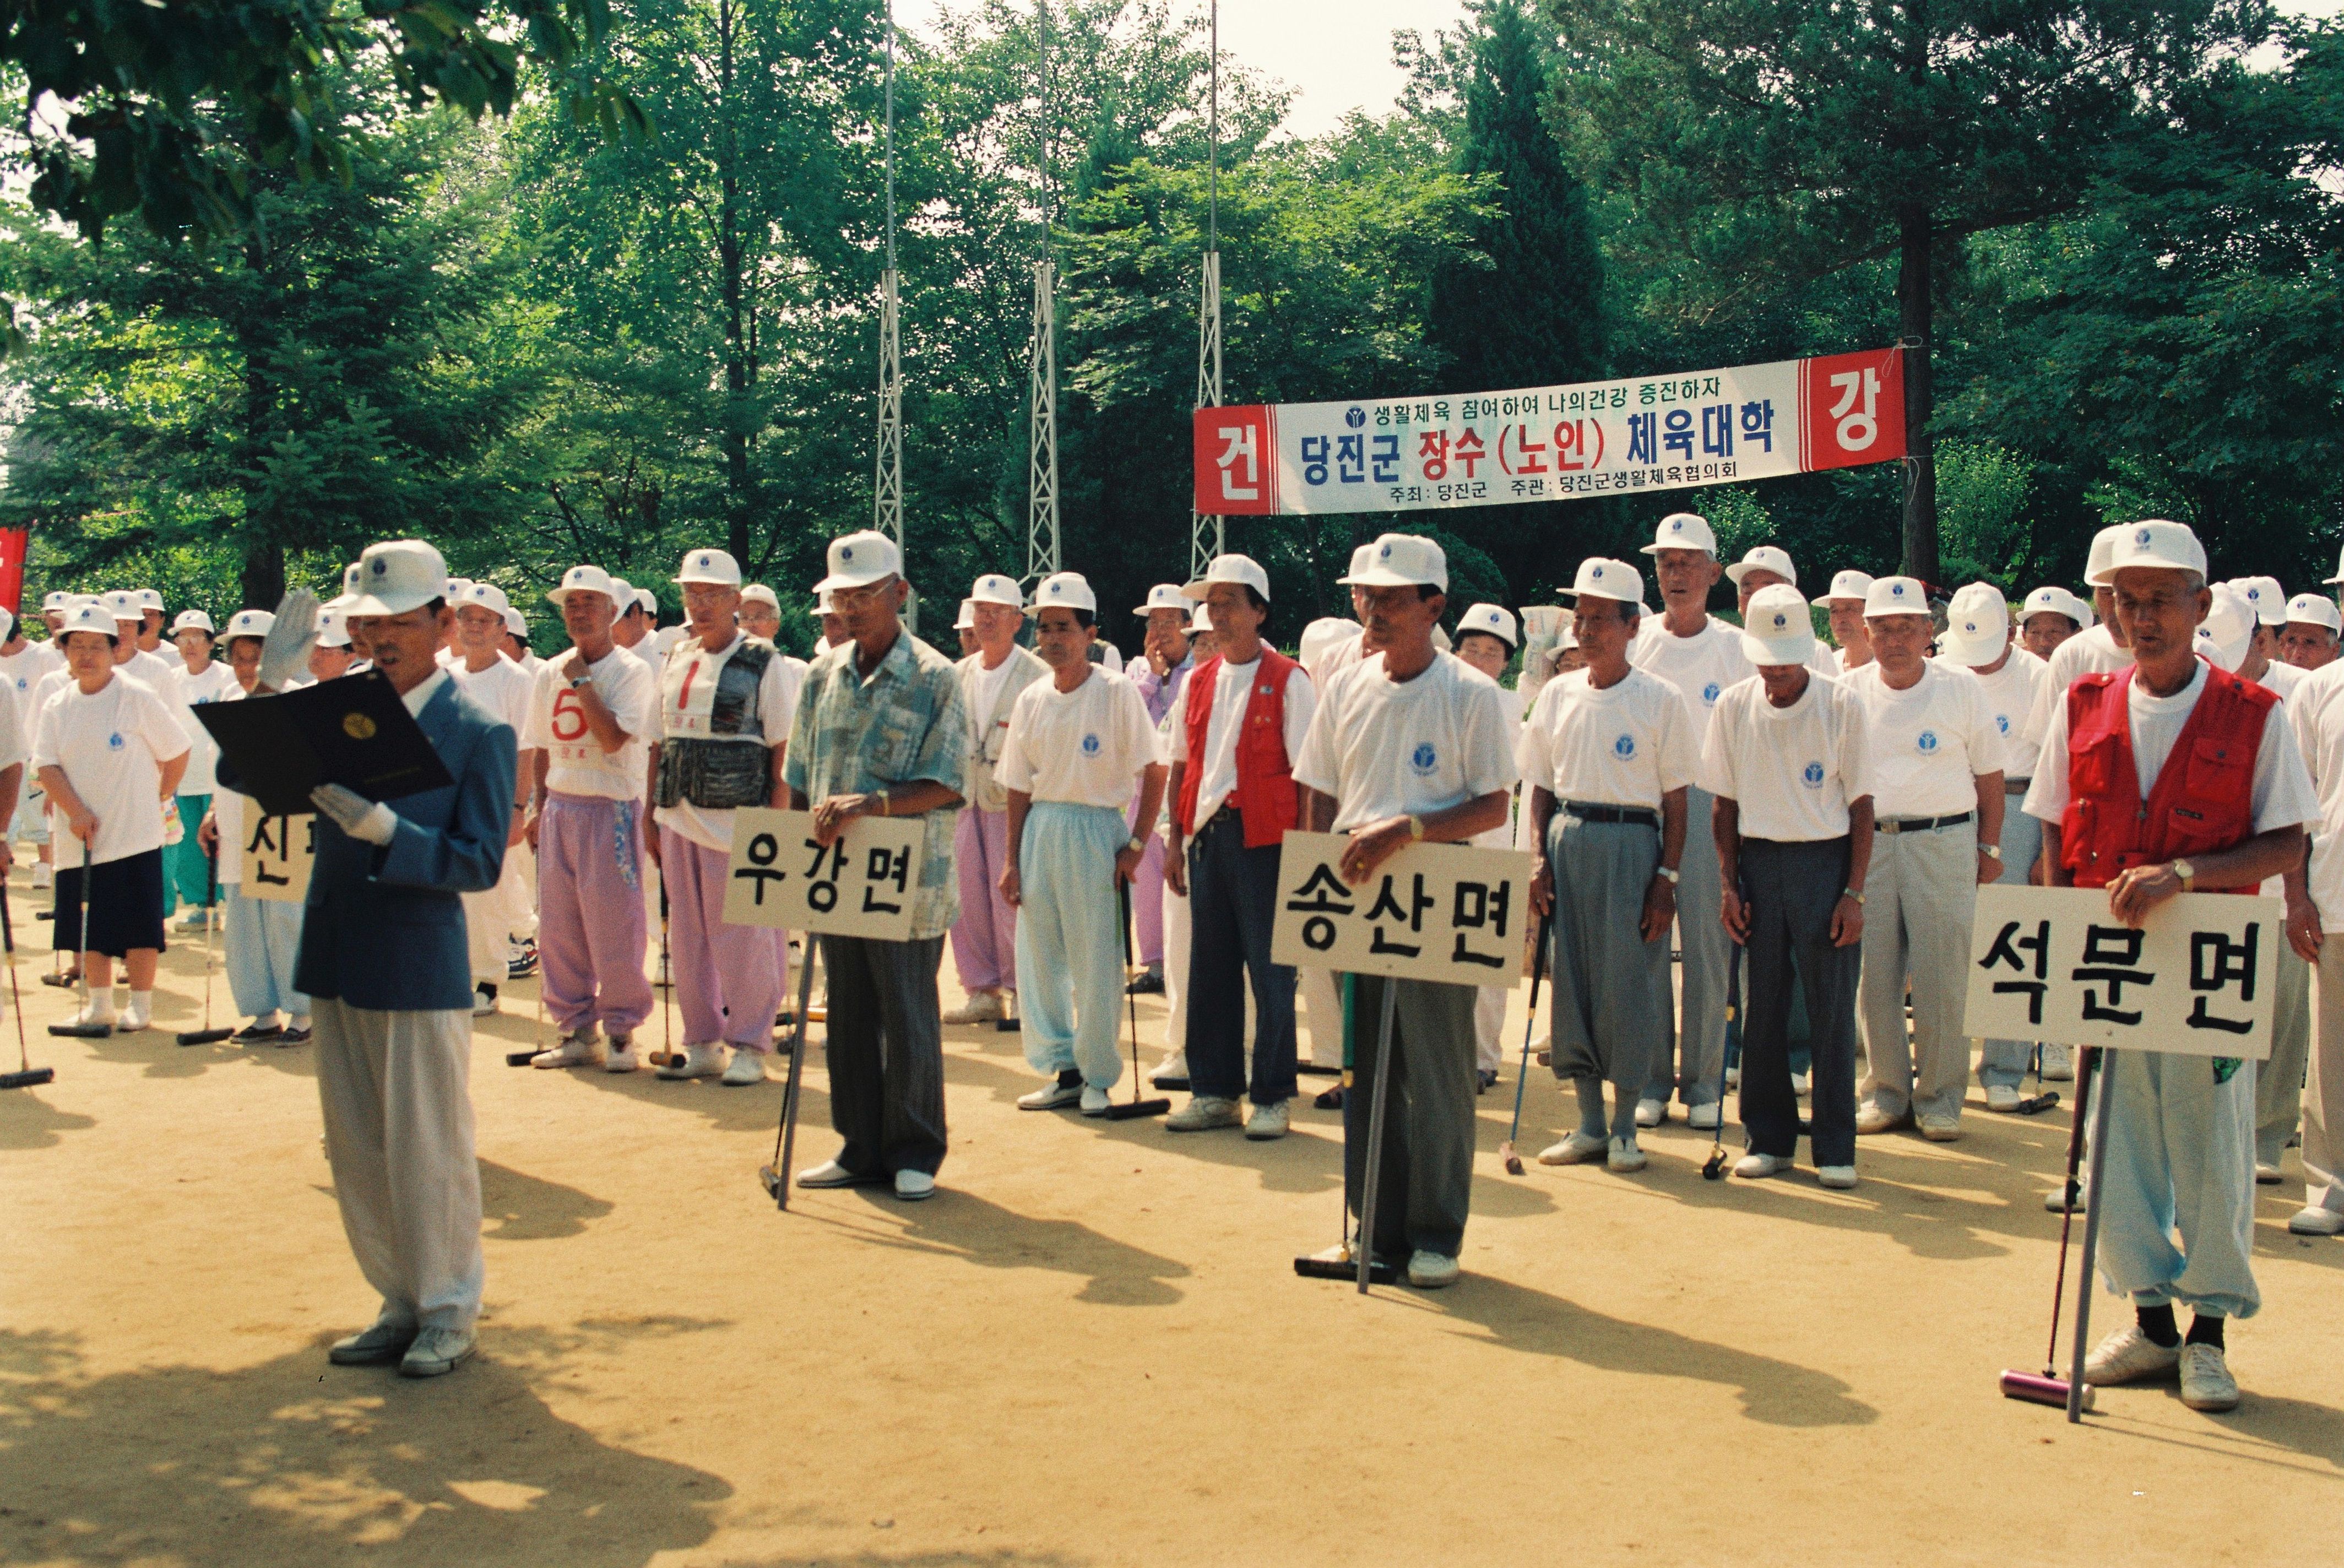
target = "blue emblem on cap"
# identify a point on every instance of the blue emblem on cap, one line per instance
(1897, 589)
(2141, 536)
(1597, 573)
(1709, 692)
(1812, 775)
(1384, 554)
(1624, 748)
(1058, 588)
(1090, 745)
(845, 553)
(1423, 759)
(1927, 742)
(381, 566)
(1677, 527)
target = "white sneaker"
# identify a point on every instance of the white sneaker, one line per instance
(578, 1049)
(1577, 1150)
(1870, 1118)
(483, 1004)
(2058, 1064)
(2315, 1220)
(703, 1059)
(2002, 1096)
(2266, 1175)
(1266, 1122)
(747, 1068)
(193, 920)
(1052, 1096)
(1622, 1156)
(1203, 1113)
(985, 1008)
(1094, 1101)
(1734, 1077)
(2055, 1200)
(1430, 1271)
(137, 1016)
(829, 1173)
(43, 873)
(911, 1186)
(1172, 1071)
(436, 1352)
(1758, 1167)
(1703, 1118)
(621, 1055)
(1652, 1112)
(2129, 1356)
(1803, 1084)
(1838, 1177)
(2205, 1380)
(1942, 1129)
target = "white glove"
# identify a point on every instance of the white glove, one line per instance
(285, 654)
(370, 821)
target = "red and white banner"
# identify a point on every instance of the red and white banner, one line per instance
(1553, 443)
(13, 541)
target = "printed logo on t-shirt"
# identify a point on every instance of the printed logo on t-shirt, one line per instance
(1624, 748)
(1423, 760)
(113, 743)
(2002, 722)
(1927, 742)
(1090, 745)
(1709, 693)
(1812, 775)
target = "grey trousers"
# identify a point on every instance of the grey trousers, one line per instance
(1922, 894)
(2279, 1079)
(2323, 1100)
(2006, 1061)
(396, 1090)
(886, 1051)
(1426, 1185)
(1699, 1057)
(1611, 1017)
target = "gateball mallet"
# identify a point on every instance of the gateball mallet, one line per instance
(1134, 1107)
(81, 918)
(1360, 1261)
(2050, 1389)
(1713, 1167)
(1506, 1151)
(208, 1036)
(776, 1175)
(2042, 1100)
(26, 1075)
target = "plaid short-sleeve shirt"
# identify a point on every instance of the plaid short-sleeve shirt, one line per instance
(905, 722)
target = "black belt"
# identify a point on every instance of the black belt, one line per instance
(1634, 814)
(1923, 823)
(2017, 786)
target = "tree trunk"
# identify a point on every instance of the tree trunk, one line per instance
(262, 579)
(736, 351)
(1915, 317)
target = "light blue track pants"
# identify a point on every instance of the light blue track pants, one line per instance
(262, 937)
(2180, 1156)
(2007, 1061)
(1070, 939)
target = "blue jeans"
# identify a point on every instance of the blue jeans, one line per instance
(1232, 907)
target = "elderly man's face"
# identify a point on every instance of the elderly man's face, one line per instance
(1485, 653)
(481, 629)
(2306, 644)
(1899, 642)
(403, 645)
(1754, 578)
(1685, 576)
(760, 619)
(2159, 612)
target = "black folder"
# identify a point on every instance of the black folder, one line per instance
(353, 731)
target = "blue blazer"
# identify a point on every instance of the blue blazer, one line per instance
(384, 928)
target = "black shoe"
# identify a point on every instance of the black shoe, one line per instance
(1330, 1099)
(1148, 984)
(1487, 1079)
(252, 1034)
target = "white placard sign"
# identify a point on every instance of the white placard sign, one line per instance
(279, 853)
(859, 885)
(2199, 978)
(1445, 912)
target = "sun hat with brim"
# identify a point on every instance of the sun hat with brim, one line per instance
(1164, 596)
(1771, 558)
(1401, 561)
(622, 594)
(713, 568)
(646, 602)
(1849, 585)
(484, 596)
(2315, 609)
(1896, 596)
(1491, 619)
(993, 588)
(2053, 599)
(333, 632)
(1238, 569)
(89, 618)
(1777, 628)
(1201, 620)
(762, 595)
(1064, 590)
(54, 599)
(123, 605)
(251, 623)
(1323, 634)
(860, 559)
(517, 623)
(397, 576)
(192, 620)
(966, 620)
(1683, 530)
(2152, 543)
(1977, 625)
(1599, 578)
(581, 579)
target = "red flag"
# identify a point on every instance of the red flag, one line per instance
(13, 544)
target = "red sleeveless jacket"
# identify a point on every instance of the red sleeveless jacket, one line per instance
(1265, 792)
(2203, 799)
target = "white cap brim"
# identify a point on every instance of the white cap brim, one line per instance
(830, 584)
(1972, 650)
(1794, 649)
(1385, 577)
(556, 595)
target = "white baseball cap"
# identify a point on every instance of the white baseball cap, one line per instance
(2318, 610)
(1241, 568)
(580, 580)
(2331, 581)
(1400, 561)
(762, 595)
(1895, 596)
(859, 560)
(251, 623)
(646, 602)
(1683, 530)
(123, 604)
(149, 599)
(1164, 596)
(2151, 542)
(993, 588)
(192, 618)
(1200, 621)
(966, 620)
(1362, 557)
(1977, 625)
(1323, 634)
(1777, 628)
(349, 593)
(332, 632)
(1765, 558)
(2104, 544)
(1602, 579)
(1849, 585)
(622, 594)
(458, 587)
(7, 624)
(1494, 618)
(1064, 590)
(54, 599)
(2051, 599)
(397, 576)
(89, 617)
(517, 623)
(2268, 598)
(2229, 627)
(716, 566)
(485, 596)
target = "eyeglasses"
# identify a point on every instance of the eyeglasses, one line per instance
(869, 594)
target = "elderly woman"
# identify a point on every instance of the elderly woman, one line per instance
(110, 752)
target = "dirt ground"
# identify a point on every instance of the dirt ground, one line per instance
(1090, 1347)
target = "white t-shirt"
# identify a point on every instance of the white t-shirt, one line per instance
(1626, 744)
(111, 744)
(2091, 651)
(1084, 747)
(2282, 679)
(575, 762)
(159, 671)
(1792, 771)
(664, 641)
(21, 671)
(1701, 666)
(2011, 693)
(1384, 748)
(2283, 796)
(503, 690)
(186, 694)
(687, 692)
(1232, 690)
(15, 742)
(1338, 658)
(985, 687)
(2317, 719)
(1927, 742)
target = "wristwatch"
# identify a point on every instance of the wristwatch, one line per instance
(577, 681)
(1135, 844)
(1670, 872)
(1852, 893)
(1415, 827)
(2187, 872)
(1992, 849)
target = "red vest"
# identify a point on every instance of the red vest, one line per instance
(1265, 792)
(2204, 796)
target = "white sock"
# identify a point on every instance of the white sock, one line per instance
(142, 1003)
(101, 1007)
